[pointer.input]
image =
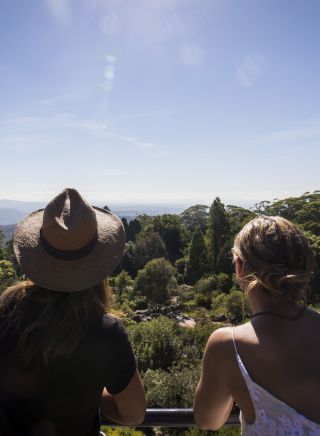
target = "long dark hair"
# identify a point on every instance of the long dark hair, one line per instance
(47, 324)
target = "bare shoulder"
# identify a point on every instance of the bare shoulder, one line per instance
(220, 337)
(220, 343)
(223, 337)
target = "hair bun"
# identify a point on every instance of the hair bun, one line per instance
(283, 284)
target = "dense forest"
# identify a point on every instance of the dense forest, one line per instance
(175, 285)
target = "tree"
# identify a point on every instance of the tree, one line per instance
(122, 283)
(237, 218)
(314, 294)
(302, 210)
(217, 233)
(155, 281)
(224, 282)
(7, 274)
(134, 229)
(125, 226)
(127, 263)
(197, 262)
(170, 229)
(206, 285)
(195, 216)
(156, 343)
(224, 260)
(1, 244)
(147, 247)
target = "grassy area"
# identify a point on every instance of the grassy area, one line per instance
(122, 431)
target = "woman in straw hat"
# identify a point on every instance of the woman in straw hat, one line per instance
(62, 358)
(269, 366)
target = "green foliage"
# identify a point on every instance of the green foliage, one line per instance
(197, 262)
(225, 431)
(127, 261)
(170, 229)
(174, 388)
(237, 218)
(314, 294)
(195, 339)
(233, 305)
(206, 285)
(155, 281)
(133, 230)
(156, 343)
(122, 283)
(224, 282)
(304, 210)
(195, 216)
(221, 282)
(202, 300)
(1, 244)
(224, 259)
(7, 274)
(125, 226)
(121, 431)
(217, 233)
(147, 247)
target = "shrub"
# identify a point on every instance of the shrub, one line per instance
(156, 343)
(174, 388)
(155, 281)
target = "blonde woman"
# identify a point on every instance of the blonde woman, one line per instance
(62, 358)
(269, 366)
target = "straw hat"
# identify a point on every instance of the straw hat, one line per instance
(69, 246)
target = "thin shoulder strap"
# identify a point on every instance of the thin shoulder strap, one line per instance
(243, 369)
(234, 342)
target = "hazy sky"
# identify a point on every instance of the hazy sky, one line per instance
(162, 101)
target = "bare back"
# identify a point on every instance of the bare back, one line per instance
(283, 357)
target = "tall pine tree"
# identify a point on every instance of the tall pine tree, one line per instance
(197, 262)
(217, 233)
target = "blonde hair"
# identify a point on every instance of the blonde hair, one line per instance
(276, 255)
(46, 324)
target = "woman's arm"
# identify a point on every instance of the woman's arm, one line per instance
(213, 401)
(128, 407)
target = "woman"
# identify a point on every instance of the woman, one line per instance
(269, 366)
(61, 357)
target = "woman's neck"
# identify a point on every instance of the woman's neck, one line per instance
(260, 301)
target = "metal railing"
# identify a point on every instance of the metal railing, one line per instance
(173, 418)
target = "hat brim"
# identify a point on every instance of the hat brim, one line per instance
(69, 275)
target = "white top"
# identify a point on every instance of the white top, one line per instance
(273, 417)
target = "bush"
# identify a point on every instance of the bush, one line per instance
(122, 283)
(203, 300)
(174, 388)
(121, 431)
(156, 343)
(195, 339)
(206, 285)
(233, 305)
(7, 274)
(224, 282)
(155, 281)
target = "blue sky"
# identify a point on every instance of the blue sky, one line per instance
(159, 101)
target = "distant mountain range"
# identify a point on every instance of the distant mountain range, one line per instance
(12, 211)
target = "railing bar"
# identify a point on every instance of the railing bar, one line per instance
(172, 418)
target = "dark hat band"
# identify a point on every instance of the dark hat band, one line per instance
(68, 254)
